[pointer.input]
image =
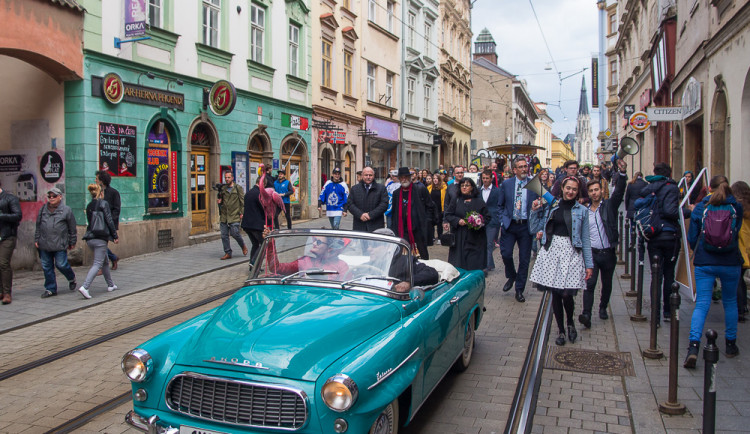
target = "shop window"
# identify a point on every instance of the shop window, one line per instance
(159, 169)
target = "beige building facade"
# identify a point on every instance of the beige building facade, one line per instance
(543, 135)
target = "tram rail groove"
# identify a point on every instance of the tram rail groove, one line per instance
(523, 407)
(89, 415)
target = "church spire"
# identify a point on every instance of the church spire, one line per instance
(583, 107)
(485, 46)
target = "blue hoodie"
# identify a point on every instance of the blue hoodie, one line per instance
(702, 257)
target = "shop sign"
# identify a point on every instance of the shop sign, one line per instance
(330, 136)
(11, 163)
(645, 99)
(691, 98)
(117, 149)
(639, 121)
(222, 98)
(437, 139)
(294, 121)
(173, 169)
(114, 90)
(384, 129)
(51, 167)
(665, 114)
(158, 169)
(135, 18)
(628, 111)
(594, 82)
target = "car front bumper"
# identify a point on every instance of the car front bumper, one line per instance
(148, 425)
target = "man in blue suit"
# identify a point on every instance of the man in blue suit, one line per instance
(491, 196)
(515, 207)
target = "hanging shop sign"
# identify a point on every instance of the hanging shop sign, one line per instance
(113, 89)
(664, 114)
(628, 110)
(691, 98)
(51, 167)
(135, 18)
(594, 82)
(117, 147)
(294, 121)
(330, 136)
(639, 121)
(222, 98)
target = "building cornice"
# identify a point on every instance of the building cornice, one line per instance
(728, 31)
(324, 111)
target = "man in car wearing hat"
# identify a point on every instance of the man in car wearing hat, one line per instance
(334, 195)
(55, 234)
(412, 211)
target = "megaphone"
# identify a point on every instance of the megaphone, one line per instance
(535, 185)
(628, 146)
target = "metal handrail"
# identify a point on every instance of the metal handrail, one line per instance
(521, 417)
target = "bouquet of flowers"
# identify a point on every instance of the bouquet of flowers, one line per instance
(474, 220)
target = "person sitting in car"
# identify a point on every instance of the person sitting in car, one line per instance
(323, 254)
(423, 275)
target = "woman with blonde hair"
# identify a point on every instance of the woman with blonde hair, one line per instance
(437, 190)
(741, 192)
(97, 236)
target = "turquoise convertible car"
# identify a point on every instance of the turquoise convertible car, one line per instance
(329, 334)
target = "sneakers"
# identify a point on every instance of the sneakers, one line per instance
(732, 349)
(72, 285)
(692, 355)
(48, 294)
(111, 288)
(84, 292)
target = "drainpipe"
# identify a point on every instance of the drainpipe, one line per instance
(402, 154)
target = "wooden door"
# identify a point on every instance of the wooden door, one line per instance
(199, 189)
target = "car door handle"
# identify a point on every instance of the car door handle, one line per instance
(454, 300)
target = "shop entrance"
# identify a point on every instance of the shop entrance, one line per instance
(199, 176)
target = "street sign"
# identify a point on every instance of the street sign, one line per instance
(665, 114)
(628, 111)
(608, 144)
(639, 121)
(608, 133)
(600, 156)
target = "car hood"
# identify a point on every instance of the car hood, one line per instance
(287, 331)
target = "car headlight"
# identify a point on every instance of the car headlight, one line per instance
(137, 365)
(339, 392)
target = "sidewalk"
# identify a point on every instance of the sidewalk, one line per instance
(134, 274)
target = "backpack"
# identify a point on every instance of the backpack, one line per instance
(719, 231)
(647, 217)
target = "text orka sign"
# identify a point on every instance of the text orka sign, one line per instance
(114, 90)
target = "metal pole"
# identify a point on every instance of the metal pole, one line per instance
(631, 252)
(639, 317)
(652, 352)
(710, 356)
(672, 406)
(620, 247)
(626, 249)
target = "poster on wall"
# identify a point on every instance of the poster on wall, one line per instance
(294, 180)
(117, 149)
(158, 175)
(239, 163)
(253, 172)
(51, 167)
(18, 175)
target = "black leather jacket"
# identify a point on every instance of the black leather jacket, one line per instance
(10, 215)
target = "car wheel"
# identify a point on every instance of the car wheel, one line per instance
(387, 420)
(465, 359)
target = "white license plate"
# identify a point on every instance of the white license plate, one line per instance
(184, 429)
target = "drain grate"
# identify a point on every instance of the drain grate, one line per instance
(589, 361)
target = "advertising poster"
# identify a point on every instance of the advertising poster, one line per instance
(135, 18)
(117, 149)
(158, 177)
(294, 180)
(239, 161)
(20, 176)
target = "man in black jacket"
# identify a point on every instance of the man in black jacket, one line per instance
(10, 217)
(603, 231)
(112, 197)
(253, 220)
(412, 213)
(367, 202)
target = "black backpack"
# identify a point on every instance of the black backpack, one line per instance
(647, 216)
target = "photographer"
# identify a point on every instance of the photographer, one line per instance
(231, 208)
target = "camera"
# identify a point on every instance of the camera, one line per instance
(218, 186)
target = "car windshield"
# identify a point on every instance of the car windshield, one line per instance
(341, 258)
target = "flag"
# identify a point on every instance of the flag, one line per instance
(295, 122)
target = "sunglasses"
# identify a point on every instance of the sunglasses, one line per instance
(52, 195)
(317, 242)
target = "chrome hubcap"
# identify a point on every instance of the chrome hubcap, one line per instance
(384, 423)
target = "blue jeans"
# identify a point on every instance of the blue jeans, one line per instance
(50, 260)
(516, 233)
(335, 221)
(705, 275)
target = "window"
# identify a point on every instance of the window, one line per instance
(293, 49)
(412, 22)
(371, 68)
(613, 121)
(389, 89)
(612, 23)
(371, 10)
(347, 73)
(257, 27)
(154, 13)
(427, 93)
(326, 72)
(410, 85)
(347, 4)
(613, 72)
(427, 37)
(389, 9)
(211, 9)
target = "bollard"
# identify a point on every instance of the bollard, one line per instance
(631, 252)
(620, 247)
(639, 317)
(710, 356)
(672, 406)
(652, 352)
(626, 250)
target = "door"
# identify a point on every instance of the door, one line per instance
(199, 176)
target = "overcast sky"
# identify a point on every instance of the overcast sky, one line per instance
(571, 28)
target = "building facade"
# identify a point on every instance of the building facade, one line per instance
(561, 152)
(544, 135)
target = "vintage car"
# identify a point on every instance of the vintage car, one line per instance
(327, 335)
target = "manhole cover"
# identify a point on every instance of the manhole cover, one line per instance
(589, 361)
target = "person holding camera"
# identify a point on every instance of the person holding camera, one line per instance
(231, 208)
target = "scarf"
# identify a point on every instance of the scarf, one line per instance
(408, 217)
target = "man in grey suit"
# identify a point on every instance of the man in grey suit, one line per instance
(491, 196)
(515, 208)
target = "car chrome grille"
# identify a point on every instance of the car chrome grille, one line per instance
(237, 402)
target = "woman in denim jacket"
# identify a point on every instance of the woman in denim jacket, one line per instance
(564, 262)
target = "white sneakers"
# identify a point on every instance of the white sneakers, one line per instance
(111, 288)
(84, 292)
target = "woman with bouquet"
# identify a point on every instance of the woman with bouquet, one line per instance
(468, 217)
